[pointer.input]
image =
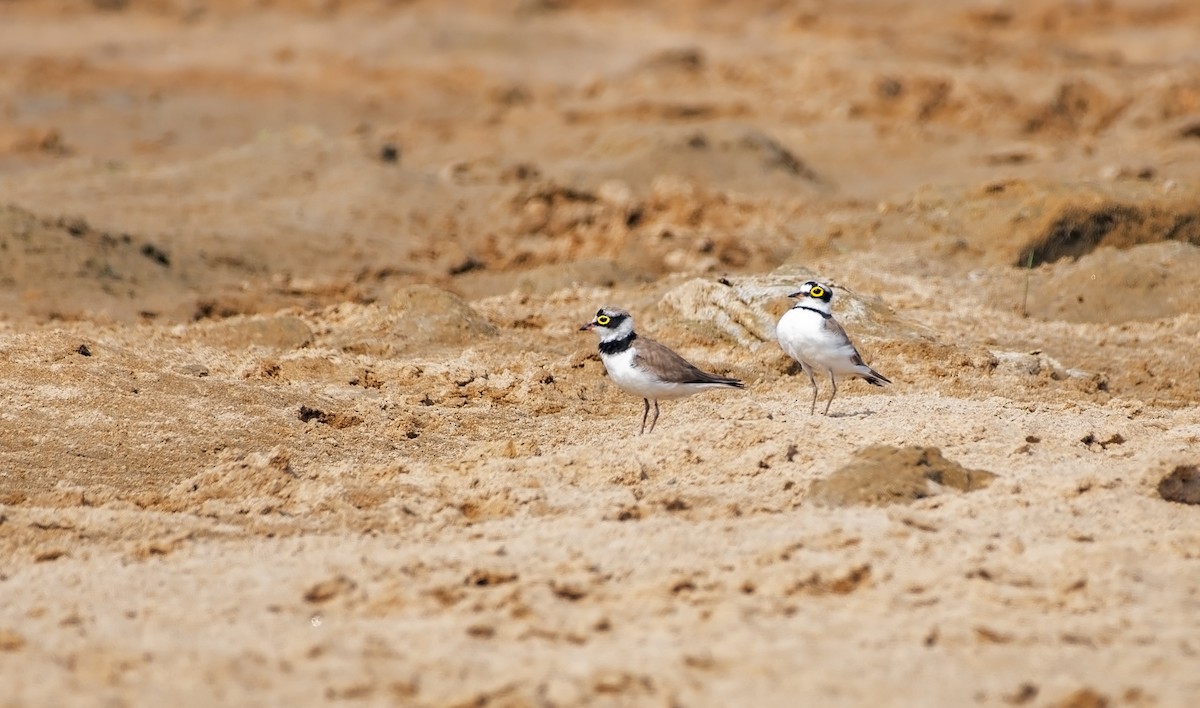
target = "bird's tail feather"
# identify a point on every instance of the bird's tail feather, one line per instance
(875, 378)
(718, 380)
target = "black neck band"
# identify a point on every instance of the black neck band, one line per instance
(826, 315)
(616, 346)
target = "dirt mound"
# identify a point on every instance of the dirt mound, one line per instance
(719, 155)
(1141, 283)
(416, 317)
(62, 268)
(1079, 229)
(883, 475)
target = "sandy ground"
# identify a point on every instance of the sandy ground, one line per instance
(296, 409)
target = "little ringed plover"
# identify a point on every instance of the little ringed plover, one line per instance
(645, 368)
(810, 335)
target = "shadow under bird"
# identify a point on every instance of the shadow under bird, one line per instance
(810, 335)
(643, 367)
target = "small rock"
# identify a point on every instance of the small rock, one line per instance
(389, 153)
(1182, 485)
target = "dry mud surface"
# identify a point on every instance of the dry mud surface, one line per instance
(295, 408)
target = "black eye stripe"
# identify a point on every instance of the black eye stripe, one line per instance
(612, 320)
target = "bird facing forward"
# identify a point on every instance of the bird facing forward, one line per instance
(810, 335)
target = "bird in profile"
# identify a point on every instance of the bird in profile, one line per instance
(810, 335)
(645, 368)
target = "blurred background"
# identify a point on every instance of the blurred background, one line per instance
(170, 160)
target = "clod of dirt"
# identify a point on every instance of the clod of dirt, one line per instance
(484, 577)
(1078, 107)
(333, 420)
(834, 584)
(197, 370)
(156, 254)
(389, 153)
(1093, 441)
(882, 475)
(327, 590)
(1084, 698)
(1023, 694)
(466, 265)
(1182, 485)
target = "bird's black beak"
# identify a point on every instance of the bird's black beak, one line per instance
(587, 326)
(797, 294)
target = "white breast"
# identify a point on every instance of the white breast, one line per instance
(641, 382)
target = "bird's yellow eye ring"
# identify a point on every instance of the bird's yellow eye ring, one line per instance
(603, 320)
(817, 291)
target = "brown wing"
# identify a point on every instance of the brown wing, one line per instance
(872, 377)
(669, 366)
(835, 331)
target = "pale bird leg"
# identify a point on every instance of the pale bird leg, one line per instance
(812, 409)
(832, 380)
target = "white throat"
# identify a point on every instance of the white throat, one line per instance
(813, 303)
